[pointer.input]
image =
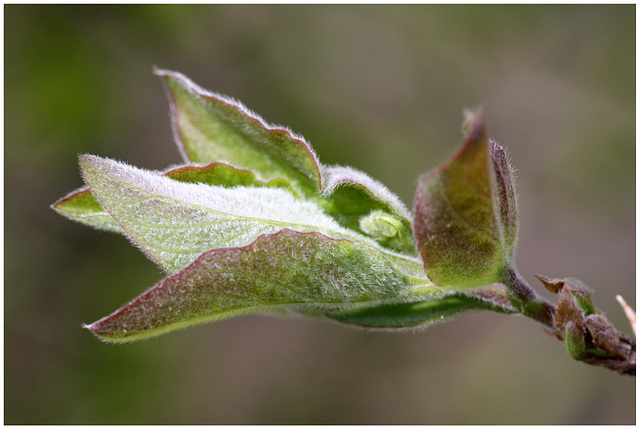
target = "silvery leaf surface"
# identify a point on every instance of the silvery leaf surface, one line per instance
(174, 222)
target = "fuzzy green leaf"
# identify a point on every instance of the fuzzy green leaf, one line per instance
(82, 206)
(363, 204)
(210, 127)
(284, 269)
(466, 220)
(175, 222)
(225, 175)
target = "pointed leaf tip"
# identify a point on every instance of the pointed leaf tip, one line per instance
(466, 221)
(474, 126)
(552, 285)
(82, 206)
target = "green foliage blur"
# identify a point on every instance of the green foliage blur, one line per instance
(379, 87)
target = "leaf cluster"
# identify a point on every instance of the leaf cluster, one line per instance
(253, 222)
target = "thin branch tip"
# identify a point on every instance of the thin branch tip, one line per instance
(628, 311)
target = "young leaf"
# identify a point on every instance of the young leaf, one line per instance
(578, 289)
(210, 127)
(363, 204)
(175, 222)
(388, 230)
(283, 269)
(466, 220)
(570, 320)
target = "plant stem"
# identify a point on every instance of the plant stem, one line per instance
(531, 304)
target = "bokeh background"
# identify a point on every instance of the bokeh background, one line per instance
(378, 87)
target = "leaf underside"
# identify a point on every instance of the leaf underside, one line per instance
(287, 268)
(82, 206)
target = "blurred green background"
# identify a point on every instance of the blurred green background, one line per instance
(379, 87)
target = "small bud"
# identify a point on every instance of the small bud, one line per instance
(580, 291)
(606, 337)
(574, 340)
(381, 225)
(387, 229)
(568, 311)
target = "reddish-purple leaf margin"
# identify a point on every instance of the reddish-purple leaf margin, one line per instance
(466, 218)
(285, 268)
(279, 134)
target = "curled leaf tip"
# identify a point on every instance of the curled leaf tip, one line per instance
(552, 285)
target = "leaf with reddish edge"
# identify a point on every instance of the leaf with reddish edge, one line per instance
(213, 128)
(210, 127)
(466, 217)
(283, 269)
(175, 222)
(225, 175)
